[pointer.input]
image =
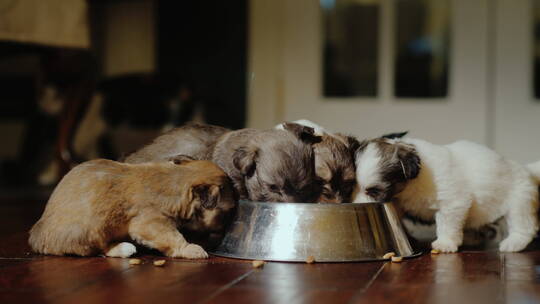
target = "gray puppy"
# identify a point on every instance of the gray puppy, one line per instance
(193, 140)
(264, 165)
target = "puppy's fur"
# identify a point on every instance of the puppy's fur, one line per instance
(534, 168)
(270, 165)
(334, 162)
(194, 140)
(264, 165)
(462, 184)
(100, 205)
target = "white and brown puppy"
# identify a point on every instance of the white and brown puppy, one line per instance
(334, 162)
(534, 168)
(459, 185)
(101, 206)
(264, 165)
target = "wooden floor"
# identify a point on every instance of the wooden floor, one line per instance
(467, 277)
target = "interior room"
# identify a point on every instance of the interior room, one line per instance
(369, 151)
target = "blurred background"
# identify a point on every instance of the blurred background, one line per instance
(86, 79)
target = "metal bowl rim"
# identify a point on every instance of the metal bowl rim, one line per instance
(316, 205)
(230, 256)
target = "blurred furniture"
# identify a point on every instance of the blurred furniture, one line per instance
(56, 33)
(60, 23)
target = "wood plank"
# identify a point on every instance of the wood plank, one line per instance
(48, 279)
(179, 281)
(300, 283)
(444, 278)
(522, 277)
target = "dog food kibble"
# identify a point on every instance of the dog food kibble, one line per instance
(435, 251)
(396, 259)
(388, 255)
(135, 261)
(159, 263)
(257, 264)
(310, 259)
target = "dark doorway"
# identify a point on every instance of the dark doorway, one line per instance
(205, 44)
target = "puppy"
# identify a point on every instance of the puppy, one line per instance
(264, 165)
(270, 165)
(334, 162)
(459, 185)
(100, 205)
(534, 168)
(193, 140)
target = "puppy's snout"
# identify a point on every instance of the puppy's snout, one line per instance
(303, 198)
(363, 198)
(332, 199)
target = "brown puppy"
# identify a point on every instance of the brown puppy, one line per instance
(264, 165)
(101, 204)
(334, 164)
(194, 140)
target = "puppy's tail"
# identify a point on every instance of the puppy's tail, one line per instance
(534, 169)
(37, 238)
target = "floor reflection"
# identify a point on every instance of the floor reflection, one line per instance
(522, 275)
(283, 282)
(466, 278)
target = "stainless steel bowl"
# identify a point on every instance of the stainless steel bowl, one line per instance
(328, 232)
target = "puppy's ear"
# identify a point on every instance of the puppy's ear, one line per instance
(351, 142)
(395, 135)
(208, 195)
(359, 146)
(409, 160)
(180, 159)
(304, 133)
(244, 159)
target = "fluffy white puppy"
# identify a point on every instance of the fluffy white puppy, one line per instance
(459, 185)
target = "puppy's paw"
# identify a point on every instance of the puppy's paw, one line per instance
(191, 251)
(445, 245)
(513, 244)
(122, 250)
